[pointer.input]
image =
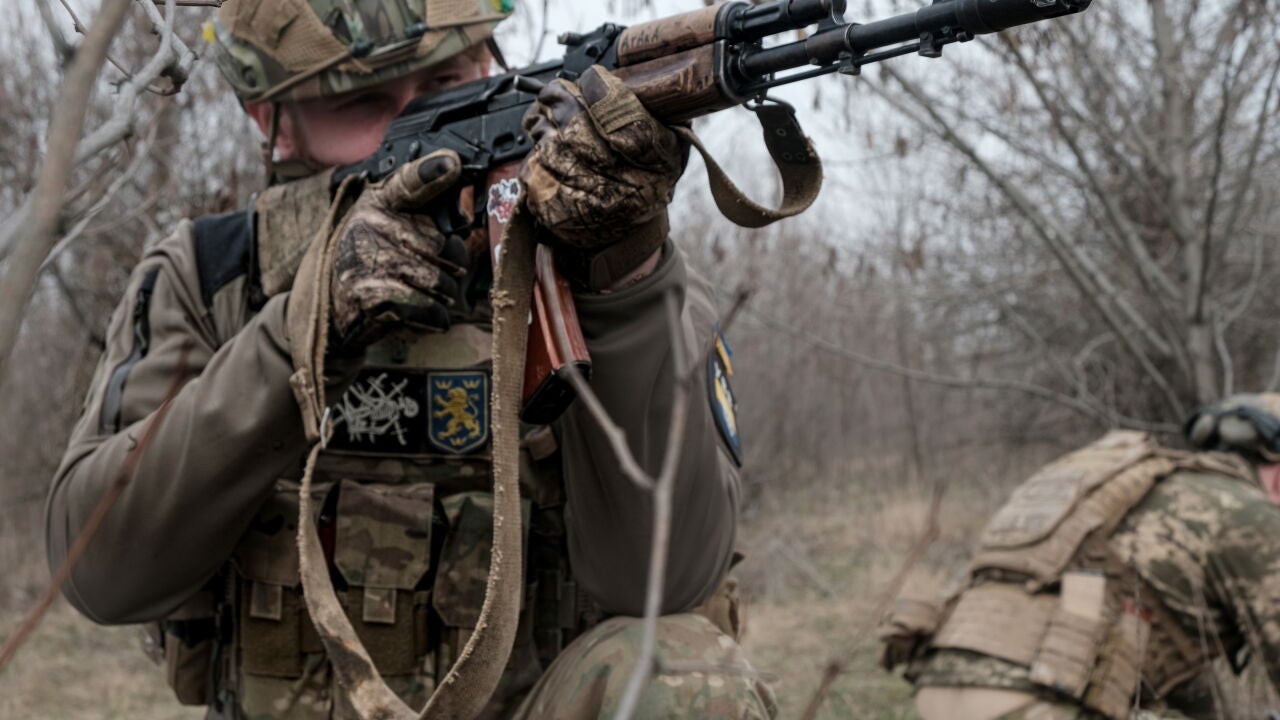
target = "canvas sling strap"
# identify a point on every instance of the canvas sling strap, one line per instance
(463, 693)
(798, 165)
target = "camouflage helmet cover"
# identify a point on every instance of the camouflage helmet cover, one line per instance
(286, 50)
(1244, 424)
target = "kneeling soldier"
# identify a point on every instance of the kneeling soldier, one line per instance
(202, 543)
(1111, 579)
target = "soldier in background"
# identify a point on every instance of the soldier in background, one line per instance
(203, 538)
(1110, 580)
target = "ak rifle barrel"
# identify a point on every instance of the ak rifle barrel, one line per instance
(941, 19)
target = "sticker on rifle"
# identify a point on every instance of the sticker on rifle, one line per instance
(503, 196)
(724, 405)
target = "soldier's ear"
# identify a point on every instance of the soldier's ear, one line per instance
(286, 145)
(1269, 475)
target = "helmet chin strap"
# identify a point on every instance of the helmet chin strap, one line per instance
(287, 169)
(269, 145)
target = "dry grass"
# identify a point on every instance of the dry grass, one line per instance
(73, 669)
(818, 558)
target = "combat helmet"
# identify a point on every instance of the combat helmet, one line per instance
(282, 50)
(1248, 425)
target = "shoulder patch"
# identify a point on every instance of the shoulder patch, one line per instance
(224, 245)
(724, 405)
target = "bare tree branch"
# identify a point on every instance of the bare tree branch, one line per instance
(23, 267)
(26, 241)
(125, 177)
(1148, 270)
(1093, 283)
(1102, 416)
(60, 44)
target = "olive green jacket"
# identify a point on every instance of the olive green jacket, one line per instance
(233, 429)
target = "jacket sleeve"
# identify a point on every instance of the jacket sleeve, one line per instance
(609, 519)
(231, 430)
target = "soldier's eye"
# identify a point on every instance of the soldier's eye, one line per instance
(443, 80)
(366, 104)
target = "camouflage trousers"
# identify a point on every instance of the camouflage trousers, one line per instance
(979, 703)
(703, 675)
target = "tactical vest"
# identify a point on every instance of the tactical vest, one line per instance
(405, 518)
(1047, 594)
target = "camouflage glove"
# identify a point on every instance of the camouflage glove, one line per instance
(600, 177)
(392, 269)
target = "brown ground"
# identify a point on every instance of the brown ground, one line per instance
(818, 561)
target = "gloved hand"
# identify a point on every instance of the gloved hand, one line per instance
(905, 631)
(392, 268)
(601, 175)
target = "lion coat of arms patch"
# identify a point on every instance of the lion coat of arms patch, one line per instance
(459, 410)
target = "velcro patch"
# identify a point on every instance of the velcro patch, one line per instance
(459, 410)
(390, 411)
(724, 405)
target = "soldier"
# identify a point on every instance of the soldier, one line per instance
(1111, 579)
(203, 538)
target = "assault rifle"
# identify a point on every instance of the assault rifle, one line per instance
(681, 67)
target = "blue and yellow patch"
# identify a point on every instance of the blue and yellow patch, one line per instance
(458, 403)
(724, 405)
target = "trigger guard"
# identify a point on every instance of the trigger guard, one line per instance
(445, 212)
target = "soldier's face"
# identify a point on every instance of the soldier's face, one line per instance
(347, 128)
(1270, 477)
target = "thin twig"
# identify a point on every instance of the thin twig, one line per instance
(116, 186)
(1101, 415)
(99, 514)
(1092, 280)
(661, 487)
(661, 539)
(806, 568)
(64, 48)
(27, 243)
(931, 532)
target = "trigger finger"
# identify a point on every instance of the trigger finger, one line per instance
(561, 103)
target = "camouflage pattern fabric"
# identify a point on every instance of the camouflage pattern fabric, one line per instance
(1209, 545)
(587, 680)
(603, 169)
(392, 268)
(261, 44)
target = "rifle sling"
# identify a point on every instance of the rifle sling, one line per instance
(476, 672)
(792, 154)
